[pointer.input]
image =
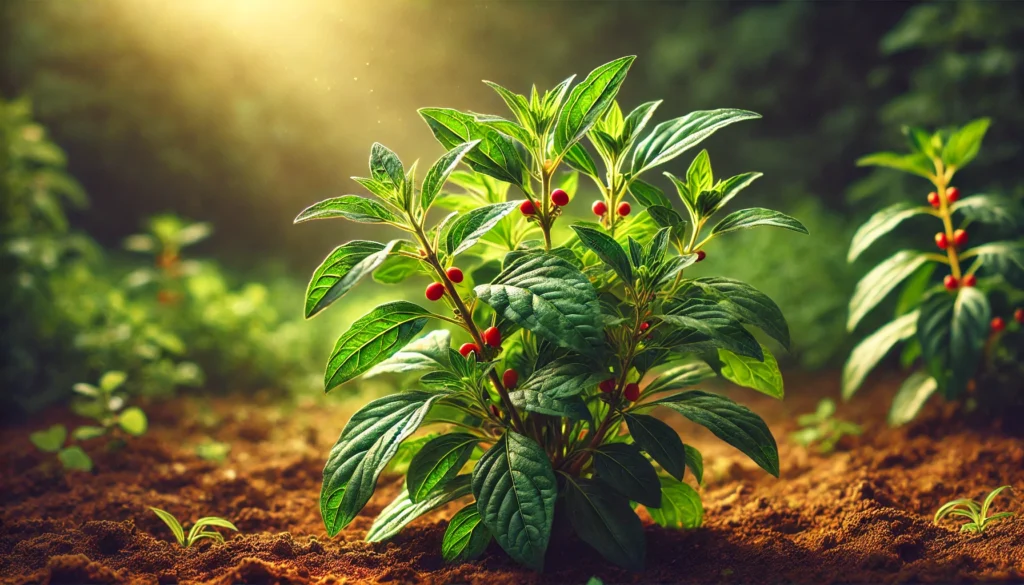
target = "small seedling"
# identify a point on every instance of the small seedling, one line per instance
(166, 236)
(73, 458)
(213, 451)
(198, 531)
(973, 511)
(821, 428)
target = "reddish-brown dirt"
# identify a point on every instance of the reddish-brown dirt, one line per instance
(861, 514)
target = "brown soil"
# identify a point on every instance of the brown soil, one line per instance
(862, 514)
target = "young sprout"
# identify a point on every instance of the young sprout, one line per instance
(821, 428)
(976, 513)
(198, 530)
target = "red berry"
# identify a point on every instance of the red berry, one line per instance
(970, 280)
(959, 237)
(933, 199)
(492, 336)
(495, 412)
(941, 241)
(952, 194)
(607, 386)
(624, 209)
(632, 391)
(435, 291)
(998, 324)
(510, 378)
(645, 326)
(701, 254)
(1018, 315)
(950, 282)
(599, 208)
(559, 197)
(468, 348)
(527, 207)
(455, 275)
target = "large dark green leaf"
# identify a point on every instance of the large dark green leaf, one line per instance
(430, 352)
(624, 468)
(341, 270)
(437, 463)
(880, 224)
(372, 339)
(385, 165)
(880, 281)
(466, 536)
(468, 228)
(869, 352)
(495, 154)
(674, 137)
(350, 207)
(757, 216)
(733, 423)
(366, 445)
(750, 306)
(515, 493)
(695, 462)
(701, 323)
(403, 510)
(607, 249)
(441, 170)
(565, 377)
(604, 520)
(548, 296)
(952, 332)
(681, 507)
(659, 441)
(587, 101)
(648, 195)
(572, 407)
(578, 158)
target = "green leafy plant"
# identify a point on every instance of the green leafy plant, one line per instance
(821, 428)
(976, 513)
(955, 328)
(166, 236)
(199, 531)
(52, 440)
(568, 335)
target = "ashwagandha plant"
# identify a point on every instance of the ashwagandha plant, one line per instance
(960, 328)
(976, 513)
(822, 429)
(166, 236)
(199, 530)
(547, 401)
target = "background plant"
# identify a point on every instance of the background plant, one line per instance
(545, 398)
(822, 429)
(976, 513)
(199, 530)
(969, 325)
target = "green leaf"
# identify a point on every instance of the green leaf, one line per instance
(572, 407)
(51, 440)
(733, 185)
(172, 523)
(880, 224)
(515, 490)
(674, 137)
(605, 521)
(133, 421)
(608, 250)
(680, 377)
(202, 523)
(920, 140)
(1003, 258)
(395, 269)
(438, 174)
(495, 154)
(86, 432)
(763, 376)
(437, 463)
(869, 352)
(695, 462)
(75, 459)
(350, 207)
(548, 296)
(952, 333)
(666, 217)
(385, 165)
(588, 101)
(516, 103)
(703, 323)
(912, 395)
(372, 339)
(875, 285)
(627, 471)
(756, 216)
(648, 195)
(366, 445)
(466, 537)
(681, 506)
(733, 423)
(963, 145)
(699, 177)
(659, 441)
(112, 380)
(403, 510)
(636, 121)
(468, 228)
(341, 270)
(564, 378)
(750, 306)
(430, 352)
(384, 190)
(993, 209)
(578, 158)
(916, 164)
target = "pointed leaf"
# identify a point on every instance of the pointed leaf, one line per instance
(993, 209)
(916, 164)
(495, 154)
(648, 195)
(912, 395)
(681, 506)
(468, 228)
(875, 285)
(437, 463)
(385, 165)
(350, 207)
(733, 185)
(695, 463)
(466, 537)
(880, 224)
(441, 170)
(963, 145)
(400, 512)
(572, 407)
(627, 471)
(578, 158)
(588, 101)
(674, 137)
(763, 376)
(564, 378)
(659, 441)
(636, 121)
(341, 270)
(680, 377)
(869, 352)
(372, 339)
(750, 306)
(430, 352)
(605, 521)
(608, 250)
(756, 216)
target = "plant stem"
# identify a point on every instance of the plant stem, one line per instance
(941, 184)
(545, 222)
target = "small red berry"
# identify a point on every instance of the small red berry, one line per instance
(607, 386)
(933, 199)
(559, 197)
(455, 275)
(435, 291)
(1018, 315)
(495, 412)
(959, 237)
(941, 240)
(468, 348)
(510, 378)
(624, 209)
(645, 326)
(952, 194)
(970, 280)
(632, 391)
(527, 207)
(998, 324)
(950, 282)
(492, 336)
(599, 208)
(701, 254)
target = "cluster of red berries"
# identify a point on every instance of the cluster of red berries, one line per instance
(952, 283)
(559, 198)
(952, 194)
(959, 239)
(600, 208)
(492, 338)
(435, 290)
(999, 324)
(631, 392)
